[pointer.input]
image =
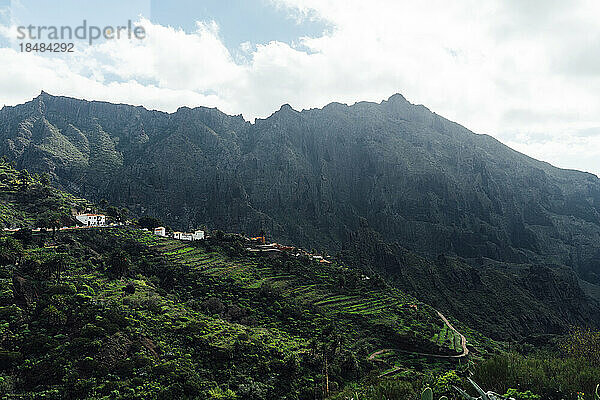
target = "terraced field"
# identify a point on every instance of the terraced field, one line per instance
(304, 299)
(449, 339)
(316, 288)
(333, 290)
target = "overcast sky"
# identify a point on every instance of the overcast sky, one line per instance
(526, 72)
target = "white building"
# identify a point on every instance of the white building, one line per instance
(183, 236)
(187, 236)
(160, 231)
(197, 235)
(92, 219)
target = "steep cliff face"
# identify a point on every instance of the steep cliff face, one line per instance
(309, 177)
(502, 299)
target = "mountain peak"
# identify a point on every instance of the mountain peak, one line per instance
(286, 107)
(397, 98)
(283, 111)
(44, 94)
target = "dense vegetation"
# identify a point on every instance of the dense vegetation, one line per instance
(28, 200)
(118, 312)
(315, 178)
(121, 313)
(502, 300)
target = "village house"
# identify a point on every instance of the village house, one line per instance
(160, 231)
(92, 219)
(183, 236)
(259, 239)
(197, 235)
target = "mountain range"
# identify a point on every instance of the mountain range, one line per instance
(504, 242)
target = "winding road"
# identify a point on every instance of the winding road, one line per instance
(463, 339)
(463, 343)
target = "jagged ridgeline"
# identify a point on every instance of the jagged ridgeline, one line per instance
(331, 178)
(119, 312)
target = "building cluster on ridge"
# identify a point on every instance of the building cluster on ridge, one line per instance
(256, 244)
(91, 219)
(196, 235)
(259, 245)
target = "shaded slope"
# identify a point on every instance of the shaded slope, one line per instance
(310, 177)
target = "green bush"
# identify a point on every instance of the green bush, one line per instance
(551, 377)
(526, 395)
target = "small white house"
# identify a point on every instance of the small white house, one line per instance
(92, 219)
(160, 231)
(182, 236)
(187, 236)
(197, 235)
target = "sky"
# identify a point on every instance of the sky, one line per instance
(525, 72)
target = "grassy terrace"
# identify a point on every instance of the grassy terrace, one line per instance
(447, 338)
(209, 307)
(156, 343)
(323, 294)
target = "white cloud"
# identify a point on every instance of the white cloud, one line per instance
(525, 72)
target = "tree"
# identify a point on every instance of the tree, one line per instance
(263, 236)
(330, 346)
(24, 179)
(149, 222)
(129, 288)
(56, 265)
(214, 305)
(24, 235)
(11, 251)
(119, 214)
(123, 213)
(112, 211)
(51, 220)
(45, 179)
(118, 264)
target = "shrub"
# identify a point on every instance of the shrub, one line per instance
(129, 288)
(553, 378)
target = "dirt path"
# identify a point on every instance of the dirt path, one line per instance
(463, 343)
(390, 372)
(463, 339)
(378, 352)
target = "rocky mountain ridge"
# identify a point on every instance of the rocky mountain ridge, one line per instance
(320, 177)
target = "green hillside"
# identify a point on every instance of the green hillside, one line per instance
(119, 313)
(29, 201)
(424, 185)
(107, 311)
(122, 313)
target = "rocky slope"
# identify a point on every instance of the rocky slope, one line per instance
(418, 180)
